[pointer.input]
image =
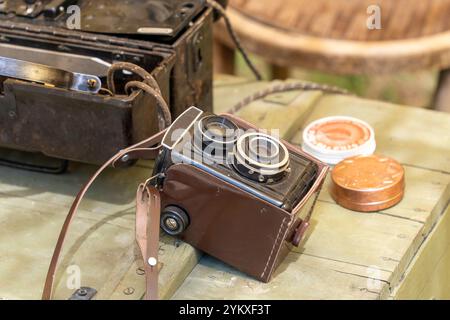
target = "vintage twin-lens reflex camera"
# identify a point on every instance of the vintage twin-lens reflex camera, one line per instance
(235, 192)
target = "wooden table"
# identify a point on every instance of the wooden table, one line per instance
(402, 252)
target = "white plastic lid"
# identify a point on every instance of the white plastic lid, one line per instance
(333, 139)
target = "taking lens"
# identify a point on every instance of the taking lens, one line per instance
(261, 157)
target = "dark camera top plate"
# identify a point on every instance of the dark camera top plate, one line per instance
(164, 18)
(129, 17)
(298, 174)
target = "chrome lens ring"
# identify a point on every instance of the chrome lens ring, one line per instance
(216, 135)
(263, 148)
(261, 157)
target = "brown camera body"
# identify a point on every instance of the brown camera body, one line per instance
(235, 226)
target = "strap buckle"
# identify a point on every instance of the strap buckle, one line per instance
(148, 182)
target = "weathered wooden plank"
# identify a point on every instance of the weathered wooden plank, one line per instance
(26, 243)
(428, 276)
(100, 242)
(227, 95)
(177, 259)
(223, 80)
(174, 254)
(114, 189)
(425, 196)
(439, 286)
(281, 118)
(364, 239)
(299, 277)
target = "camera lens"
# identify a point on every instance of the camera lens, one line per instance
(217, 129)
(220, 129)
(217, 135)
(261, 157)
(263, 149)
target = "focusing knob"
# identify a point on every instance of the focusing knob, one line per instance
(174, 220)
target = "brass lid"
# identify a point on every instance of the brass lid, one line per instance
(367, 183)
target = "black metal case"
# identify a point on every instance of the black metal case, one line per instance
(170, 39)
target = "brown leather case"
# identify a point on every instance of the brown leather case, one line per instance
(234, 226)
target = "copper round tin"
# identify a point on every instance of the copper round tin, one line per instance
(367, 183)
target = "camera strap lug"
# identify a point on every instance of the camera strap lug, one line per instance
(300, 232)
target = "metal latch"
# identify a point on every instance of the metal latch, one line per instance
(196, 53)
(39, 73)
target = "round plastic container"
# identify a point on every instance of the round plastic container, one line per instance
(333, 139)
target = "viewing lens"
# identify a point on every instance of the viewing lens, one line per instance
(216, 135)
(218, 130)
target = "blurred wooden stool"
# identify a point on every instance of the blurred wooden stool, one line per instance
(333, 36)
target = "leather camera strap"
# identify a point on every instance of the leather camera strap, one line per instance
(142, 150)
(148, 212)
